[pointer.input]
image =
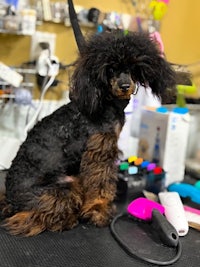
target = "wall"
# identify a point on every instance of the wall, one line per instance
(181, 35)
(180, 30)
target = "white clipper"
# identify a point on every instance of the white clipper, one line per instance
(174, 211)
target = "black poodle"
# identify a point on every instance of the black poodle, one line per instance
(66, 171)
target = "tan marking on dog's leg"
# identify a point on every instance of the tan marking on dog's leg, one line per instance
(25, 223)
(99, 176)
(55, 210)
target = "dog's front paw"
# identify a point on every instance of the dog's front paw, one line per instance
(99, 215)
(100, 219)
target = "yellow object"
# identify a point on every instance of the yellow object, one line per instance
(187, 89)
(158, 9)
(182, 90)
(132, 159)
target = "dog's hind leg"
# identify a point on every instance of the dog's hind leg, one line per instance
(54, 210)
(5, 208)
(99, 177)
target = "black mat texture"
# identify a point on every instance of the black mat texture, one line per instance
(88, 246)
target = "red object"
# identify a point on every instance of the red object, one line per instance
(157, 170)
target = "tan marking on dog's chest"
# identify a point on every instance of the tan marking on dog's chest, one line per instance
(118, 129)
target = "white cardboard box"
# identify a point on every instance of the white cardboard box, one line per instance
(163, 139)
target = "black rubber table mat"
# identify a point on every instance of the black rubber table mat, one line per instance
(87, 246)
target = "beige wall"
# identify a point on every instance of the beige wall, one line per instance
(181, 35)
(180, 30)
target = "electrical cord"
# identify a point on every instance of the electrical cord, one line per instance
(46, 68)
(34, 118)
(132, 254)
(64, 67)
(48, 81)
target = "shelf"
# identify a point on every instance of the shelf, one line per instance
(28, 77)
(15, 32)
(23, 84)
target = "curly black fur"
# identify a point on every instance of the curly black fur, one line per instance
(48, 171)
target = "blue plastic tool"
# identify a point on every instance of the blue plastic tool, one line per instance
(186, 190)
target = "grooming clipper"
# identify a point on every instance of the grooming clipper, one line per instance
(174, 211)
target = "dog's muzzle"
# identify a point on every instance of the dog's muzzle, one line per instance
(124, 82)
(123, 86)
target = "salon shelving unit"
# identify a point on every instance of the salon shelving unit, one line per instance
(27, 83)
(18, 22)
(13, 32)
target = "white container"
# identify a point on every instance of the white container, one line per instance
(28, 21)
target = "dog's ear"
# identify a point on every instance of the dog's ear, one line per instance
(164, 77)
(87, 92)
(156, 72)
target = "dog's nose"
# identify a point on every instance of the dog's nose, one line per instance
(125, 87)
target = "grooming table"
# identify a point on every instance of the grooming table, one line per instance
(88, 246)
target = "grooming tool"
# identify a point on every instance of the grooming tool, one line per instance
(129, 173)
(132, 170)
(149, 210)
(186, 190)
(193, 211)
(141, 208)
(174, 211)
(193, 217)
(123, 166)
(166, 231)
(138, 161)
(182, 89)
(131, 159)
(138, 172)
(151, 166)
(158, 170)
(155, 180)
(145, 164)
(197, 185)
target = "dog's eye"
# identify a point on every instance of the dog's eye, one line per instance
(111, 71)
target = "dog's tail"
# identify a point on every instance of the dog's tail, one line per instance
(75, 26)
